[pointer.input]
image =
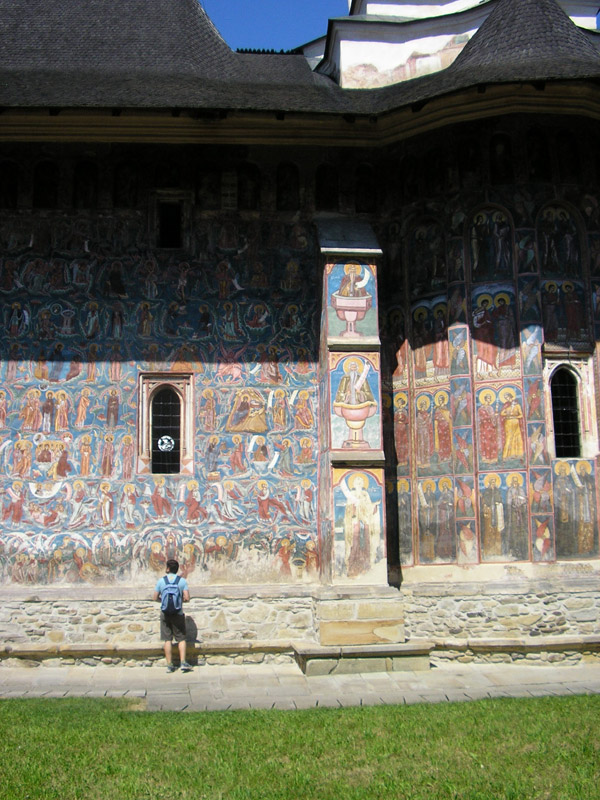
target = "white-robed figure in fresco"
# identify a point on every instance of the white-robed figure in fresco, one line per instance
(362, 525)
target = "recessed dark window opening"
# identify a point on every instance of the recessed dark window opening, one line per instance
(565, 412)
(166, 432)
(169, 225)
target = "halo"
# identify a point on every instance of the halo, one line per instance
(428, 485)
(550, 285)
(488, 478)
(353, 478)
(403, 484)
(424, 398)
(502, 296)
(221, 540)
(561, 464)
(420, 313)
(351, 266)
(483, 297)
(352, 360)
(191, 485)
(506, 394)
(584, 467)
(512, 475)
(487, 393)
(567, 286)
(445, 482)
(440, 306)
(441, 395)
(400, 397)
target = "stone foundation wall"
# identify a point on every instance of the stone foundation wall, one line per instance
(531, 621)
(127, 623)
(501, 611)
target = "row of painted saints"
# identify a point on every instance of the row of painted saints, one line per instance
(505, 517)
(511, 432)
(231, 321)
(495, 250)
(500, 347)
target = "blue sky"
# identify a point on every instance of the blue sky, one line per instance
(272, 24)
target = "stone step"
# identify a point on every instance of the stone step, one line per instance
(323, 660)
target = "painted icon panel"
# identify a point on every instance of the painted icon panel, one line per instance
(352, 313)
(355, 405)
(359, 516)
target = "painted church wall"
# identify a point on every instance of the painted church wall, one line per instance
(498, 290)
(473, 309)
(90, 306)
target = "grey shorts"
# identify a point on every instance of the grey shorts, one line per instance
(172, 626)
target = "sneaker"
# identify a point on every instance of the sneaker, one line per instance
(171, 668)
(185, 667)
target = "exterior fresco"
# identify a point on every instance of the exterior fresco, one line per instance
(80, 325)
(358, 498)
(495, 280)
(352, 303)
(356, 410)
(436, 396)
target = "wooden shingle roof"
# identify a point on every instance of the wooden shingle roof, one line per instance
(161, 54)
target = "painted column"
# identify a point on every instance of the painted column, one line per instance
(352, 445)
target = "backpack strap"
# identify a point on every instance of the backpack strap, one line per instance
(177, 579)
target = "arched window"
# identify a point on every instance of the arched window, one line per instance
(565, 413)
(327, 188)
(45, 185)
(166, 431)
(85, 185)
(288, 187)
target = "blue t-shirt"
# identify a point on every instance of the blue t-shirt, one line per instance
(170, 577)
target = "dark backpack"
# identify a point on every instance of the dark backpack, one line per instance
(171, 599)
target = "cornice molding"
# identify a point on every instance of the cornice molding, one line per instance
(297, 129)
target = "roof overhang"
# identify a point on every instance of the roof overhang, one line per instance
(222, 126)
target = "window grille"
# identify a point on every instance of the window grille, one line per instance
(166, 432)
(565, 412)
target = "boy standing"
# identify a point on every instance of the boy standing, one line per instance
(173, 591)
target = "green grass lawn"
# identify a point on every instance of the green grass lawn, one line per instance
(493, 749)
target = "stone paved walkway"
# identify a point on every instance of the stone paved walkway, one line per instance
(212, 688)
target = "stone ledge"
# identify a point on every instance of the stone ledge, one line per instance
(72, 593)
(535, 644)
(138, 650)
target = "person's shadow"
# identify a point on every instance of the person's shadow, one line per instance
(191, 634)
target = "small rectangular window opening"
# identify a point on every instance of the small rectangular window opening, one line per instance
(169, 225)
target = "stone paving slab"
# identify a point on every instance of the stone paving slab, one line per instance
(286, 687)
